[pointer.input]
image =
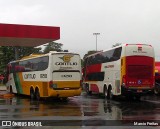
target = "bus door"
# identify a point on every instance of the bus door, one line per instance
(66, 71)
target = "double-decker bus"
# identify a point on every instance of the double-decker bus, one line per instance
(56, 74)
(126, 70)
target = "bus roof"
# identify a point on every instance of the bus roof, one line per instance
(31, 56)
(55, 52)
(121, 45)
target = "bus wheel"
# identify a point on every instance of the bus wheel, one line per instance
(156, 92)
(37, 94)
(87, 90)
(32, 95)
(10, 89)
(138, 97)
(109, 95)
(105, 93)
(64, 99)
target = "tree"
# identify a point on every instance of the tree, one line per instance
(89, 53)
(7, 54)
(53, 46)
(25, 51)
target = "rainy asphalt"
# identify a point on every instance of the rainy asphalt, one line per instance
(93, 112)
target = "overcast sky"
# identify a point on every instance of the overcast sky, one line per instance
(117, 21)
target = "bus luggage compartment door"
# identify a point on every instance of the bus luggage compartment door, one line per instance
(66, 80)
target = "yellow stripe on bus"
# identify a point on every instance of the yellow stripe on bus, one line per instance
(71, 84)
(46, 91)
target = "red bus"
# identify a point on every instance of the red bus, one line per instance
(126, 70)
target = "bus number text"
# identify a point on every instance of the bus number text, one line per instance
(43, 75)
(66, 76)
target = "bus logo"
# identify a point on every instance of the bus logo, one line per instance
(139, 81)
(139, 49)
(66, 58)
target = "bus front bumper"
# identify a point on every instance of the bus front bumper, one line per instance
(137, 91)
(65, 93)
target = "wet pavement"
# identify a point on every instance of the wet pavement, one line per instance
(82, 112)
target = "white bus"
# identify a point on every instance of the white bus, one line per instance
(56, 74)
(127, 70)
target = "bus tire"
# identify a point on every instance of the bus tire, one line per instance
(32, 94)
(87, 90)
(10, 90)
(109, 94)
(37, 94)
(138, 97)
(105, 93)
(156, 91)
(64, 99)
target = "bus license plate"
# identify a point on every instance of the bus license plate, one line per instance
(139, 91)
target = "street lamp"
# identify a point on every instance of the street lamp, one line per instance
(96, 38)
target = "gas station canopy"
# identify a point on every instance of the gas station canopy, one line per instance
(27, 35)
